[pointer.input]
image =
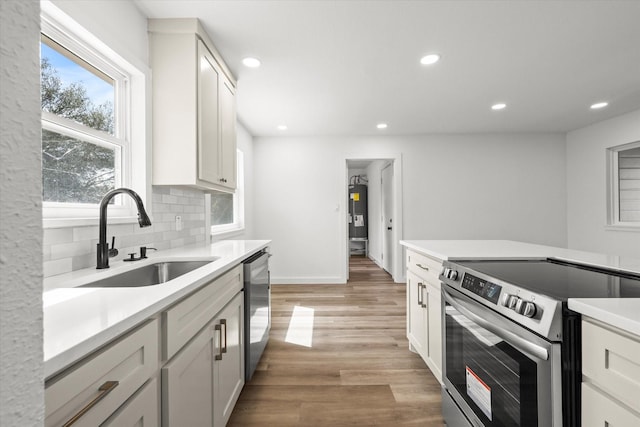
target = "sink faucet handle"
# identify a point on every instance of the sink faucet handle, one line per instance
(143, 251)
(113, 251)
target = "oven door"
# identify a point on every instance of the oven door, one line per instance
(497, 372)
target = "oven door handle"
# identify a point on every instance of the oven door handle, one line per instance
(532, 350)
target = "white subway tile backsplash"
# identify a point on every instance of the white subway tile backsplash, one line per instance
(74, 248)
(57, 235)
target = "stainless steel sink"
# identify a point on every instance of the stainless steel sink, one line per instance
(148, 275)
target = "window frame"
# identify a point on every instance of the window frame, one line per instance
(130, 122)
(613, 189)
(237, 226)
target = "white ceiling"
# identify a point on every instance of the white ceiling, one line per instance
(339, 67)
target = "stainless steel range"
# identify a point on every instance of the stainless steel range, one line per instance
(511, 353)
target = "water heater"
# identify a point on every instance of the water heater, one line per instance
(358, 222)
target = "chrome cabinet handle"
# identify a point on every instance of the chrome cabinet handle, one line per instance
(420, 294)
(423, 267)
(104, 389)
(224, 322)
(219, 329)
(530, 349)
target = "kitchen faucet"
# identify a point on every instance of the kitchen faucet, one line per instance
(103, 246)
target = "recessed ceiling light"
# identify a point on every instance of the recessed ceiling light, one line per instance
(599, 105)
(381, 125)
(251, 62)
(499, 106)
(430, 59)
(282, 127)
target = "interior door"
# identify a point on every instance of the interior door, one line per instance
(387, 218)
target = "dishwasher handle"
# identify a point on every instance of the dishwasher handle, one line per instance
(532, 350)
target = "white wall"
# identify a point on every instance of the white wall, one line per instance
(587, 189)
(245, 144)
(21, 356)
(455, 187)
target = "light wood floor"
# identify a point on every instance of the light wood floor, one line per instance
(358, 370)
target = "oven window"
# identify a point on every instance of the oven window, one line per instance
(497, 381)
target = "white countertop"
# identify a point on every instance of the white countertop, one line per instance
(78, 321)
(623, 313)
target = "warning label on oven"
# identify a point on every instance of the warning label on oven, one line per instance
(479, 392)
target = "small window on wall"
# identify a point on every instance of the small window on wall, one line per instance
(624, 185)
(227, 210)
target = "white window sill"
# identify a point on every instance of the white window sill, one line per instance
(621, 227)
(85, 222)
(220, 233)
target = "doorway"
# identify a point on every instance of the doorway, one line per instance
(384, 213)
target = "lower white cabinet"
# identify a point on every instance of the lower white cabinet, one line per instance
(201, 384)
(610, 376)
(88, 393)
(424, 311)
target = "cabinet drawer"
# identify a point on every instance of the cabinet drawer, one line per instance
(186, 318)
(424, 266)
(142, 410)
(610, 360)
(600, 411)
(130, 362)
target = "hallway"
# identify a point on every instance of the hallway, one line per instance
(338, 356)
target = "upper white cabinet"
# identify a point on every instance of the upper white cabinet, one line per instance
(194, 108)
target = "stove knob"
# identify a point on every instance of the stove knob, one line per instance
(445, 272)
(505, 300)
(529, 309)
(452, 274)
(520, 306)
(513, 301)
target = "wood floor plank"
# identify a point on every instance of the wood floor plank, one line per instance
(358, 370)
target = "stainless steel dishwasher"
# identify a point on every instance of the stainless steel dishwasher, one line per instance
(257, 309)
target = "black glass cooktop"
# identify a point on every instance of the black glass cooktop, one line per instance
(560, 280)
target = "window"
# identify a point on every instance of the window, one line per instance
(624, 185)
(226, 209)
(89, 130)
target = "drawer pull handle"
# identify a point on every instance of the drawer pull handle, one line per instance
(104, 389)
(219, 329)
(423, 267)
(224, 322)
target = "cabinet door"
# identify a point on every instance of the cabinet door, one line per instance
(229, 370)
(416, 321)
(208, 116)
(188, 383)
(434, 333)
(228, 160)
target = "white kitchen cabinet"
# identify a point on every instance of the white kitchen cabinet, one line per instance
(94, 388)
(610, 376)
(229, 363)
(424, 322)
(194, 108)
(202, 383)
(416, 314)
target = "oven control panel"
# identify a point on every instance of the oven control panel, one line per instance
(537, 312)
(487, 290)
